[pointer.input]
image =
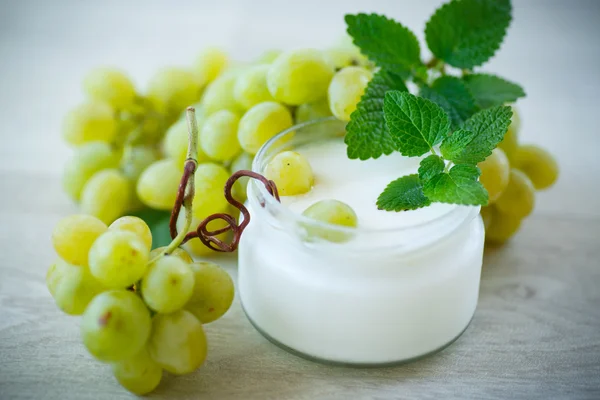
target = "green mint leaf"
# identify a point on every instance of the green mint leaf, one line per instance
(467, 33)
(405, 193)
(458, 186)
(431, 166)
(158, 222)
(450, 93)
(367, 134)
(479, 135)
(415, 123)
(386, 42)
(490, 90)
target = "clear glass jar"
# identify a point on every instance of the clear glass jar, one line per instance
(386, 296)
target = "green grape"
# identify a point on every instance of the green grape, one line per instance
(168, 284)
(345, 90)
(501, 226)
(330, 212)
(495, 171)
(115, 325)
(177, 343)
(209, 65)
(136, 159)
(71, 286)
(486, 216)
(89, 122)
(210, 181)
(510, 143)
(111, 86)
(176, 144)
(74, 235)
(539, 165)
(242, 162)
(341, 57)
(195, 246)
(134, 225)
(219, 95)
(88, 159)
(158, 185)
(519, 197)
(299, 76)
(291, 172)
(118, 259)
(218, 137)
(516, 119)
(178, 252)
(139, 374)
(251, 87)
(213, 292)
(268, 56)
(106, 195)
(261, 123)
(315, 110)
(173, 89)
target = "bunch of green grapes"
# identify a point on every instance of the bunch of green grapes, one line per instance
(142, 310)
(511, 175)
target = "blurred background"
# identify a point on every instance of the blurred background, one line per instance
(46, 47)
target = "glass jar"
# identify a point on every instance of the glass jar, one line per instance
(386, 296)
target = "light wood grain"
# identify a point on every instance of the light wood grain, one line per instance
(536, 331)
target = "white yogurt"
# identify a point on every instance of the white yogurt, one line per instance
(404, 286)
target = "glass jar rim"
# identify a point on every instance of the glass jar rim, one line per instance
(460, 214)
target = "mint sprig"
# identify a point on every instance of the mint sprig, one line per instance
(454, 123)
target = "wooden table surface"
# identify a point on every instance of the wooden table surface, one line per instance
(536, 332)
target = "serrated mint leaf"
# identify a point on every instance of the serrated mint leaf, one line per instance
(386, 42)
(415, 123)
(458, 186)
(479, 135)
(405, 193)
(367, 135)
(431, 166)
(490, 90)
(450, 93)
(467, 33)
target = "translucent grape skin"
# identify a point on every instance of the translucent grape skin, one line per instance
(157, 186)
(218, 137)
(210, 181)
(347, 56)
(177, 343)
(315, 110)
(539, 165)
(299, 76)
(261, 123)
(209, 65)
(136, 159)
(176, 144)
(518, 199)
(173, 89)
(268, 56)
(168, 284)
(136, 226)
(71, 286)
(73, 236)
(219, 95)
(115, 325)
(495, 172)
(87, 159)
(106, 195)
(178, 252)
(331, 212)
(118, 259)
(89, 122)
(510, 143)
(291, 172)
(501, 226)
(486, 216)
(242, 162)
(111, 86)
(213, 292)
(139, 374)
(345, 90)
(251, 87)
